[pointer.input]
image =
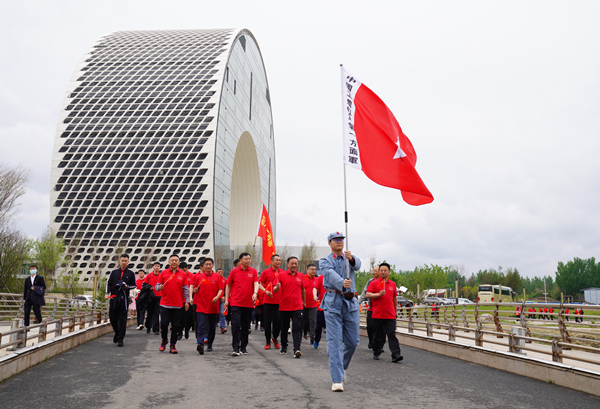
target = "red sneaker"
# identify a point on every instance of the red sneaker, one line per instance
(223, 330)
(172, 349)
(275, 344)
(163, 346)
(268, 346)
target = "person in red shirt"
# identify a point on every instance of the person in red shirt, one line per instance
(291, 303)
(222, 301)
(173, 283)
(258, 309)
(240, 295)
(319, 290)
(139, 306)
(267, 282)
(309, 315)
(382, 293)
(189, 315)
(153, 300)
(207, 288)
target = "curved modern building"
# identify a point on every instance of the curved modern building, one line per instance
(164, 146)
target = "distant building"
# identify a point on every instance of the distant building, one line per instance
(592, 295)
(165, 145)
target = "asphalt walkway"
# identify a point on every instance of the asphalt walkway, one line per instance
(99, 374)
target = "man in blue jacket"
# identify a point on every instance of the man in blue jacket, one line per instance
(340, 307)
(33, 294)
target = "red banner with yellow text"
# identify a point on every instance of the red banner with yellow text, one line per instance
(266, 232)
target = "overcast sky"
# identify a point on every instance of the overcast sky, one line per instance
(501, 101)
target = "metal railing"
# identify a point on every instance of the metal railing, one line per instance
(491, 325)
(59, 316)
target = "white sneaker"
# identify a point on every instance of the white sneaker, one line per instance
(337, 387)
(140, 327)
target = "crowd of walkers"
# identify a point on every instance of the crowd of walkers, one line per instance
(174, 301)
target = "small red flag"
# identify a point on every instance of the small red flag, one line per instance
(266, 232)
(375, 143)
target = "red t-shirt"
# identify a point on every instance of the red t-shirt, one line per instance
(383, 307)
(291, 291)
(152, 279)
(208, 288)
(172, 294)
(138, 284)
(269, 279)
(242, 287)
(309, 284)
(320, 290)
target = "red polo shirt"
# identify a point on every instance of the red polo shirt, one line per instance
(291, 291)
(138, 285)
(172, 294)
(242, 286)
(208, 287)
(320, 290)
(152, 279)
(383, 307)
(269, 279)
(309, 284)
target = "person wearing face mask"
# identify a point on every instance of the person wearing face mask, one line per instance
(119, 282)
(33, 294)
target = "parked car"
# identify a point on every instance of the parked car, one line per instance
(404, 302)
(434, 300)
(83, 300)
(449, 301)
(465, 301)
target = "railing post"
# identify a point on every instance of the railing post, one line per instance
(21, 311)
(562, 327)
(497, 320)
(411, 325)
(44, 331)
(464, 316)
(15, 324)
(478, 334)
(556, 352)
(451, 333)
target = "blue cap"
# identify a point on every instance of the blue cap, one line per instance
(335, 235)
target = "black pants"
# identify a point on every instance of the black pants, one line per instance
(371, 330)
(206, 328)
(385, 327)
(240, 322)
(153, 313)
(272, 317)
(296, 317)
(309, 318)
(258, 316)
(141, 311)
(188, 319)
(118, 320)
(172, 316)
(320, 325)
(36, 310)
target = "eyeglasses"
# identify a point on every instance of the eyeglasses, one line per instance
(338, 240)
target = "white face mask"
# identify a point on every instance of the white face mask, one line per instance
(32, 272)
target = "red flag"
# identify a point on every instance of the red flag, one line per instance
(375, 143)
(266, 232)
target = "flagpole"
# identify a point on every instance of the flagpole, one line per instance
(345, 202)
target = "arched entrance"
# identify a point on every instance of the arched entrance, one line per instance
(245, 201)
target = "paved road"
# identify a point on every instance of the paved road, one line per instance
(98, 374)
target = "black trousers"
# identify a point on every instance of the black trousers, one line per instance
(206, 328)
(385, 327)
(188, 319)
(240, 322)
(258, 315)
(371, 330)
(118, 320)
(141, 311)
(296, 317)
(272, 318)
(36, 310)
(171, 316)
(320, 325)
(153, 313)
(309, 320)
